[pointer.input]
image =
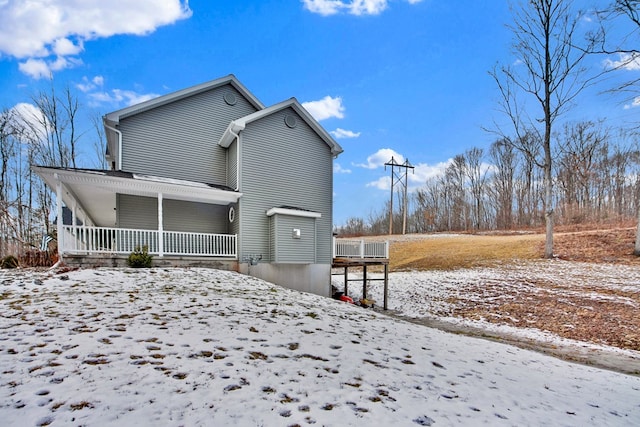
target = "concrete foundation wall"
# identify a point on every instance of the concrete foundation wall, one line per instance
(95, 261)
(311, 278)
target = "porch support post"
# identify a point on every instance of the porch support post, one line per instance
(160, 227)
(73, 213)
(59, 228)
(73, 223)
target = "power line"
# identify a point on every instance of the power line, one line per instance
(401, 174)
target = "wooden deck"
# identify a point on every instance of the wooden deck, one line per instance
(363, 263)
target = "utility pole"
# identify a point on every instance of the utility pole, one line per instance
(402, 178)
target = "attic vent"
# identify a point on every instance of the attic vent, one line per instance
(230, 98)
(290, 121)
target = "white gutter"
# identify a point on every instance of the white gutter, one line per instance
(119, 165)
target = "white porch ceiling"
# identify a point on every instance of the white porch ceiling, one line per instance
(93, 193)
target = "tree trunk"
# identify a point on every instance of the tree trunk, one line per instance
(636, 250)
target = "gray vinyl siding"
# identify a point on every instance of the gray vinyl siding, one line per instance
(232, 165)
(194, 217)
(140, 213)
(234, 227)
(286, 249)
(180, 140)
(177, 215)
(281, 166)
(137, 212)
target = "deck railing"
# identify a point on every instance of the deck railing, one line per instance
(90, 240)
(351, 248)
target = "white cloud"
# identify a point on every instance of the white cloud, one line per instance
(382, 183)
(325, 108)
(94, 88)
(65, 47)
(423, 172)
(367, 7)
(323, 7)
(339, 169)
(416, 177)
(340, 133)
(380, 157)
(30, 121)
(120, 96)
(353, 7)
(48, 34)
(626, 61)
(635, 103)
(36, 68)
(43, 69)
(90, 85)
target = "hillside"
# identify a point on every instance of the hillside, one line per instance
(198, 347)
(424, 252)
(478, 284)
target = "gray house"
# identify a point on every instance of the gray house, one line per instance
(208, 175)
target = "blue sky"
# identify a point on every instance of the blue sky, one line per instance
(403, 78)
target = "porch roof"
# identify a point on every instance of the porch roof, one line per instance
(94, 191)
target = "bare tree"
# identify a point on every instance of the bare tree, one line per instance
(55, 127)
(627, 47)
(504, 160)
(477, 178)
(99, 143)
(577, 156)
(550, 75)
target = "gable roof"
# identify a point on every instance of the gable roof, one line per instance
(239, 124)
(115, 117)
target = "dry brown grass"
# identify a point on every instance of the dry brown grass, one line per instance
(567, 310)
(464, 251)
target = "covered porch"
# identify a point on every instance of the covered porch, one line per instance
(91, 196)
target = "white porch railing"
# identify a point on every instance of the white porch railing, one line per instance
(89, 240)
(350, 248)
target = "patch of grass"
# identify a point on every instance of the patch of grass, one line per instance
(257, 355)
(80, 405)
(312, 357)
(462, 251)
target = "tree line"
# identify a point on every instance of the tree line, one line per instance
(596, 177)
(538, 172)
(541, 171)
(48, 131)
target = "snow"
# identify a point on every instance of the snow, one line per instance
(206, 347)
(435, 294)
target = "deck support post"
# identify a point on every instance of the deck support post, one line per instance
(386, 286)
(346, 280)
(364, 281)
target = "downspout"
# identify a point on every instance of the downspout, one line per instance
(237, 135)
(119, 166)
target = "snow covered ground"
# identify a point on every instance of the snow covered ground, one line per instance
(526, 299)
(206, 347)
